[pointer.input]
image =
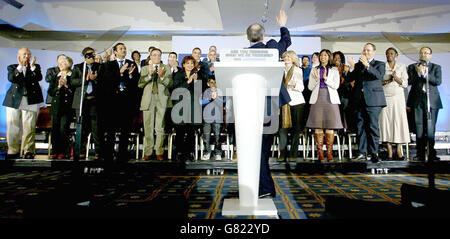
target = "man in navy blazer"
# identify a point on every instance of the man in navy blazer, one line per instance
(368, 99)
(417, 100)
(22, 104)
(255, 34)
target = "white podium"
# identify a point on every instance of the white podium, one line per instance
(249, 83)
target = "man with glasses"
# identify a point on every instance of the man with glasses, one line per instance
(156, 78)
(90, 113)
(418, 74)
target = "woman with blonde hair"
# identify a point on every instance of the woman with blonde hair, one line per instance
(291, 114)
(324, 114)
(61, 110)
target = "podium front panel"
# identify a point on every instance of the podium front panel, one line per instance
(225, 72)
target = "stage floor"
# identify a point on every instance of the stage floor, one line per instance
(299, 196)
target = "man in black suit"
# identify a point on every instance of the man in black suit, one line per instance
(90, 108)
(172, 61)
(368, 100)
(203, 67)
(22, 104)
(118, 101)
(417, 100)
(255, 35)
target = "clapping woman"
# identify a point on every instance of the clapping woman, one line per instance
(61, 107)
(186, 112)
(324, 114)
(393, 120)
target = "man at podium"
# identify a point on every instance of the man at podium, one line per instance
(255, 34)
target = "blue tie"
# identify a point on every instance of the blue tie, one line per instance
(122, 85)
(89, 88)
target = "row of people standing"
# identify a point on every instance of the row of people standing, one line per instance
(110, 103)
(370, 91)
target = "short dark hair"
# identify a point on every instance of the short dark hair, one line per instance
(315, 53)
(118, 44)
(373, 45)
(393, 49)
(134, 52)
(174, 53)
(156, 49)
(151, 48)
(86, 49)
(197, 48)
(431, 51)
(305, 57)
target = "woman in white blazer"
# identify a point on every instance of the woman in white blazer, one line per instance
(324, 114)
(292, 114)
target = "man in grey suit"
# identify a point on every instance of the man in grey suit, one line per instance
(156, 80)
(417, 100)
(368, 99)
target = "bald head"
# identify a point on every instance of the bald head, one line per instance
(22, 50)
(23, 56)
(255, 33)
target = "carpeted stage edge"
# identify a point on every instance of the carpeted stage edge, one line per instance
(159, 190)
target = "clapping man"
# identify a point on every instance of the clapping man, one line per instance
(118, 101)
(418, 74)
(155, 79)
(22, 104)
(368, 99)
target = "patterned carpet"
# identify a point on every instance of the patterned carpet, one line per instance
(298, 196)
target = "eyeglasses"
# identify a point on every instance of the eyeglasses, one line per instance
(89, 55)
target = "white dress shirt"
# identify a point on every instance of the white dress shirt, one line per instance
(24, 102)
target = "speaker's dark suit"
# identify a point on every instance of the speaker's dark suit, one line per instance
(368, 99)
(266, 184)
(417, 100)
(118, 102)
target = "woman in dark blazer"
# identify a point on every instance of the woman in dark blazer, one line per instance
(61, 110)
(187, 83)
